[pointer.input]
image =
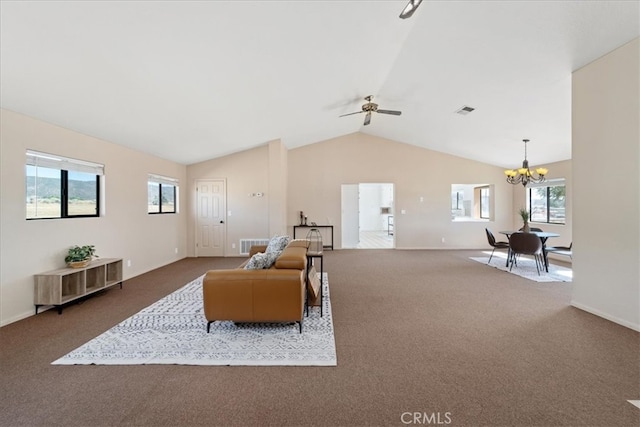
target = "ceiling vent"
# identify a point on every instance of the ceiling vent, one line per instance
(465, 110)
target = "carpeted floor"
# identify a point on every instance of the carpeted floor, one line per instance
(417, 332)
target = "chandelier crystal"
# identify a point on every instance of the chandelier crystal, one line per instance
(524, 175)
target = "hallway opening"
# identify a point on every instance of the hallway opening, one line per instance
(367, 216)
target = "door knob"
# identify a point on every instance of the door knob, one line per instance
(221, 222)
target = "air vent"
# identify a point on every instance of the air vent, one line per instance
(465, 110)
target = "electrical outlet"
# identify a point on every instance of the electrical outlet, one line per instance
(128, 263)
(233, 246)
(176, 250)
(443, 240)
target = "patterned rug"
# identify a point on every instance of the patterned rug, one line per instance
(173, 331)
(526, 268)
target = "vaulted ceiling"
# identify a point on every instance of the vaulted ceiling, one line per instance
(190, 81)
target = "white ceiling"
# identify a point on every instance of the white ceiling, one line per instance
(190, 81)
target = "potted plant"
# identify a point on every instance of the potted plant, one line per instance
(524, 214)
(80, 256)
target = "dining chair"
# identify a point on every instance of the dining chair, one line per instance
(561, 250)
(496, 245)
(526, 244)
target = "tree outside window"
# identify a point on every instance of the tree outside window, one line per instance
(547, 204)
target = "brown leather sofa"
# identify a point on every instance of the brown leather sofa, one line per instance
(276, 294)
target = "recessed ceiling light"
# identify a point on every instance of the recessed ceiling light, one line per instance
(465, 110)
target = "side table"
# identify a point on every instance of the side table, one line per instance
(310, 257)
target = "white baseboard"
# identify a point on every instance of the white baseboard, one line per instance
(21, 316)
(614, 319)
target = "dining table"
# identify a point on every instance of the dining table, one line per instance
(543, 235)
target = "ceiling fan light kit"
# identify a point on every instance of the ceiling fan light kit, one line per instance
(524, 175)
(371, 107)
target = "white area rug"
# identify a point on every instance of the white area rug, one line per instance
(174, 331)
(526, 268)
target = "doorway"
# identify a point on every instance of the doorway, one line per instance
(367, 216)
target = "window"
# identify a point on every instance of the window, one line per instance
(547, 202)
(60, 187)
(484, 202)
(162, 194)
(456, 200)
(471, 202)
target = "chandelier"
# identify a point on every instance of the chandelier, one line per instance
(524, 175)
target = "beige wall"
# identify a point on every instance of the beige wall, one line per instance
(606, 181)
(277, 189)
(125, 231)
(317, 172)
(246, 173)
(314, 175)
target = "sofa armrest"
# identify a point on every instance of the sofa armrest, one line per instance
(293, 257)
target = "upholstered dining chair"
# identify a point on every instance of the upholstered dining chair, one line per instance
(496, 245)
(560, 250)
(526, 244)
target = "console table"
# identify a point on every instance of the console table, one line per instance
(310, 257)
(324, 245)
(58, 287)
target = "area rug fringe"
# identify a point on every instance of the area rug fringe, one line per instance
(173, 331)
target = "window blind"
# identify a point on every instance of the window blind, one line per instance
(547, 183)
(163, 180)
(52, 161)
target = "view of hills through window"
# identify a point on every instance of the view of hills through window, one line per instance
(44, 193)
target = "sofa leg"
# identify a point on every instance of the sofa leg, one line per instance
(300, 325)
(209, 325)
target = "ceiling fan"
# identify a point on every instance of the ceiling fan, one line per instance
(372, 107)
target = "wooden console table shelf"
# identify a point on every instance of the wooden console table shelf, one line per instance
(58, 287)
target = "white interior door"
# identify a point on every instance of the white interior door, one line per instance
(350, 215)
(211, 228)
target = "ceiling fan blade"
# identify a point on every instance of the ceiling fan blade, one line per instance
(393, 112)
(367, 118)
(410, 8)
(349, 114)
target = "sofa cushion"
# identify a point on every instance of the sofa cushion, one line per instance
(262, 260)
(277, 244)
